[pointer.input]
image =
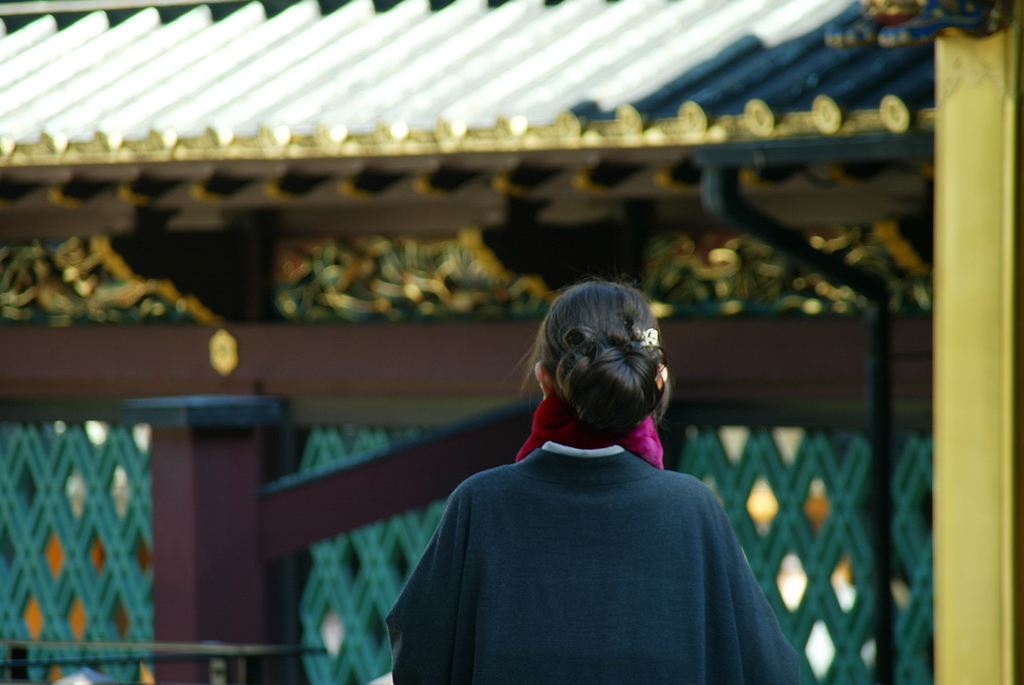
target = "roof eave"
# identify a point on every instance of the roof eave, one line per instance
(807, 131)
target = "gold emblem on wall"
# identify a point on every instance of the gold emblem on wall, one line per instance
(223, 352)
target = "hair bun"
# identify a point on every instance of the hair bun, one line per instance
(581, 340)
(613, 390)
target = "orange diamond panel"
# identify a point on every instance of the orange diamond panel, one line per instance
(70, 574)
(143, 556)
(816, 506)
(77, 619)
(121, 620)
(97, 554)
(54, 555)
(33, 618)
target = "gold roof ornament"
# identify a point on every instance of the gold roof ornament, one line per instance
(273, 141)
(899, 23)
(693, 117)
(628, 129)
(895, 114)
(759, 118)
(827, 115)
(330, 136)
(449, 132)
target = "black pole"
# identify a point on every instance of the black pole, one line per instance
(721, 197)
(878, 373)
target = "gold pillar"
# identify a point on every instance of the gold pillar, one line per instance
(978, 361)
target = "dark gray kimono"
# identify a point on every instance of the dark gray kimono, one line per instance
(564, 569)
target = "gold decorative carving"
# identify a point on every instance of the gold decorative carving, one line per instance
(724, 274)
(898, 23)
(223, 352)
(891, 11)
(903, 253)
(395, 279)
(79, 281)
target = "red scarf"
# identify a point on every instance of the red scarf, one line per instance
(556, 421)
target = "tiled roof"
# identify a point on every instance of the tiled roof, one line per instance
(788, 77)
(414, 80)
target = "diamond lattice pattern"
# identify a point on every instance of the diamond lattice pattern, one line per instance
(69, 560)
(797, 501)
(795, 498)
(355, 578)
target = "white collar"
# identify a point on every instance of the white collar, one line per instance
(577, 452)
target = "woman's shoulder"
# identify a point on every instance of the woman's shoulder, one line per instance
(684, 485)
(684, 480)
(483, 482)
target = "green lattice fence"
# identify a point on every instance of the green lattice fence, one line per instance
(796, 500)
(912, 535)
(75, 537)
(355, 578)
(75, 544)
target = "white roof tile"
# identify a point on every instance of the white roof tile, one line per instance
(355, 67)
(195, 68)
(122, 80)
(35, 62)
(298, 95)
(21, 41)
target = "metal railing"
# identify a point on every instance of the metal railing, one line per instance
(15, 663)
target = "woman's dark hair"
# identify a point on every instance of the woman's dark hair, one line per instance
(602, 346)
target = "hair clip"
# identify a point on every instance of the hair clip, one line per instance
(650, 338)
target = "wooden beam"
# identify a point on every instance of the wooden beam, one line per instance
(207, 458)
(300, 510)
(711, 359)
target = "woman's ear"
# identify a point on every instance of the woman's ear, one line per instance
(547, 385)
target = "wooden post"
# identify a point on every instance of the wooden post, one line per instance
(206, 463)
(978, 361)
